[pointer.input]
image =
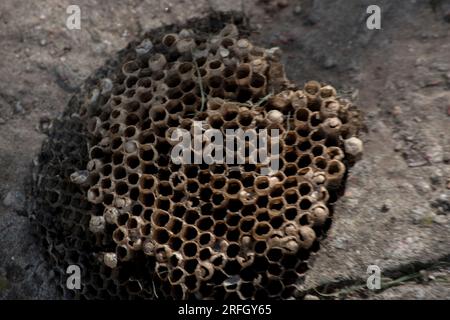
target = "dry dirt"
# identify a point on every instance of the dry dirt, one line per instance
(396, 210)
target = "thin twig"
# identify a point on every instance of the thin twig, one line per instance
(385, 285)
(264, 99)
(200, 83)
(331, 295)
(154, 289)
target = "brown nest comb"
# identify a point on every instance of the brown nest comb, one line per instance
(108, 197)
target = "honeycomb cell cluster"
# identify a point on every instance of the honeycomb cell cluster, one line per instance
(109, 198)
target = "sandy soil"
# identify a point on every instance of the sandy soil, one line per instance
(396, 210)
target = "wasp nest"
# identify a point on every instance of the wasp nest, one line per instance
(109, 198)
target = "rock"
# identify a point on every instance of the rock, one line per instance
(15, 200)
(446, 157)
(440, 219)
(329, 63)
(442, 203)
(414, 163)
(441, 67)
(311, 297)
(398, 146)
(397, 111)
(423, 187)
(421, 215)
(44, 124)
(435, 153)
(386, 206)
(340, 243)
(297, 10)
(436, 177)
(18, 108)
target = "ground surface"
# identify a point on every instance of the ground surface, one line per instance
(396, 210)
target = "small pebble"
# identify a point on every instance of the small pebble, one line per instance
(8, 200)
(423, 187)
(329, 63)
(436, 177)
(311, 297)
(44, 124)
(446, 157)
(440, 219)
(442, 203)
(424, 275)
(386, 206)
(396, 111)
(419, 215)
(18, 108)
(398, 146)
(14, 199)
(340, 243)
